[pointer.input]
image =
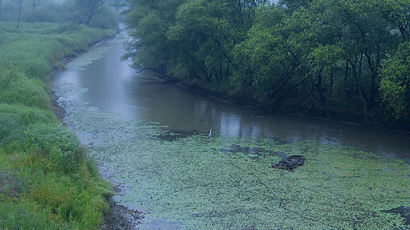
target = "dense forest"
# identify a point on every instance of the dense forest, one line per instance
(340, 59)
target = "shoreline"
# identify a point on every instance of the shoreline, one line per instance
(232, 100)
(229, 100)
(56, 109)
(118, 216)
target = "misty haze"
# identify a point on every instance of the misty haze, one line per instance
(204, 114)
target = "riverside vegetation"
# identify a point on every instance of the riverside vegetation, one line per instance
(341, 59)
(46, 179)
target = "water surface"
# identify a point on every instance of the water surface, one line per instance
(113, 86)
(226, 181)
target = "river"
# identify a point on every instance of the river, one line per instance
(113, 109)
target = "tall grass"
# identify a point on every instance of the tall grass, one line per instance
(46, 179)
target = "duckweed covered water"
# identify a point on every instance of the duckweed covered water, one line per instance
(193, 182)
(183, 180)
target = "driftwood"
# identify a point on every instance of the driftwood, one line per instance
(290, 162)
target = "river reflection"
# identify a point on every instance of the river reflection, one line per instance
(113, 86)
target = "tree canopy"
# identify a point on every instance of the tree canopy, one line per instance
(334, 58)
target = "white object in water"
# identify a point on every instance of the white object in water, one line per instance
(210, 133)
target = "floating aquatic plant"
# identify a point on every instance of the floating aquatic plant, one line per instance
(228, 183)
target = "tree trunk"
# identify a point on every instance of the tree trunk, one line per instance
(1, 8)
(117, 5)
(79, 15)
(91, 12)
(34, 12)
(19, 16)
(90, 16)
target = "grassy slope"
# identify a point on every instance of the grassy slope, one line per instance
(46, 180)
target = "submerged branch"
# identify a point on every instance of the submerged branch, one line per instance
(158, 78)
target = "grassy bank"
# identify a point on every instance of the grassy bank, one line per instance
(46, 179)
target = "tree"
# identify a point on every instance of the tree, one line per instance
(86, 10)
(293, 5)
(33, 17)
(19, 13)
(117, 5)
(395, 84)
(207, 32)
(321, 56)
(1, 9)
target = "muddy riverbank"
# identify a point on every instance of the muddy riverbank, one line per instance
(118, 217)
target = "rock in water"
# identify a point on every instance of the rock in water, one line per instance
(290, 162)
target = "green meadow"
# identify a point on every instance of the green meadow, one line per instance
(46, 178)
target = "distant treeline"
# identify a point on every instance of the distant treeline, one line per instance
(94, 13)
(343, 59)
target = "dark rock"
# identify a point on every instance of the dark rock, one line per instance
(290, 162)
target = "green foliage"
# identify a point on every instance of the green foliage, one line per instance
(16, 216)
(77, 200)
(46, 179)
(53, 141)
(395, 84)
(316, 56)
(86, 9)
(104, 19)
(23, 115)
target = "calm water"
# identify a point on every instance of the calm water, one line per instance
(201, 183)
(113, 86)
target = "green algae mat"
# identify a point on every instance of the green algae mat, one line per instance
(228, 183)
(184, 180)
